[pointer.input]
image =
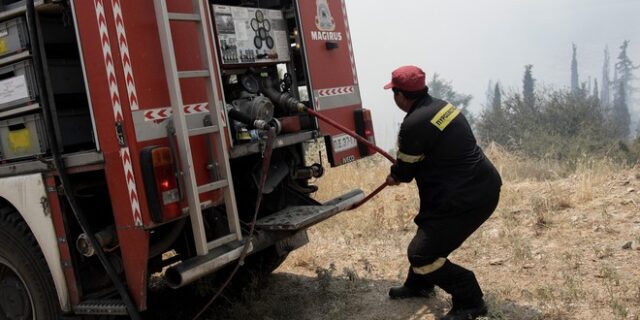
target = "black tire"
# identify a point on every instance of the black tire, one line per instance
(26, 285)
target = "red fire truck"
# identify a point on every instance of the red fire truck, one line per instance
(163, 136)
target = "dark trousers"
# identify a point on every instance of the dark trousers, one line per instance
(434, 242)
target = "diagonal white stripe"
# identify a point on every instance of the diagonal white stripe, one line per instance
(118, 20)
(114, 97)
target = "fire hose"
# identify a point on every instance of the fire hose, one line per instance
(266, 161)
(361, 140)
(289, 102)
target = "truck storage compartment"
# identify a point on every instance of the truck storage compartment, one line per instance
(76, 131)
(18, 85)
(22, 137)
(66, 76)
(59, 38)
(14, 36)
(76, 128)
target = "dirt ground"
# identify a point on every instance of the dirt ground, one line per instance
(560, 246)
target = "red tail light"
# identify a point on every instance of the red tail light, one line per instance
(160, 183)
(364, 127)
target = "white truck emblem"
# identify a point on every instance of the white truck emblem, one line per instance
(324, 20)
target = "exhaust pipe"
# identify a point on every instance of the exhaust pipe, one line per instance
(195, 268)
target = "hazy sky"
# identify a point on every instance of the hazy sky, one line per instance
(472, 42)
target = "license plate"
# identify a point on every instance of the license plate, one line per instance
(343, 142)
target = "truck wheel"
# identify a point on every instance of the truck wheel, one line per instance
(26, 287)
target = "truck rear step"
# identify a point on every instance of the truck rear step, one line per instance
(300, 217)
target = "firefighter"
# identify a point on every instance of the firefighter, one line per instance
(458, 187)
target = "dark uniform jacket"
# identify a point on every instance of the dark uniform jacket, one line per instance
(438, 149)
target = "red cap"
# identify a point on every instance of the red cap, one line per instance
(407, 78)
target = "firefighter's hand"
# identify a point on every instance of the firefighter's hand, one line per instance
(391, 181)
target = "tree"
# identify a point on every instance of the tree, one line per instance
(624, 90)
(496, 104)
(575, 82)
(493, 124)
(620, 119)
(563, 125)
(596, 90)
(528, 88)
(489, 95)
(624, 70)
(605, 96)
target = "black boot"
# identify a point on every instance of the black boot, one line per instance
(403, 292)
(466, 312)
(415, 286)
(464, 289)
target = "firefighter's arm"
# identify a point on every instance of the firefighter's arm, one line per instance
(413, 140)
(402, 172)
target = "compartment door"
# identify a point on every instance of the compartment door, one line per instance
(332, 73)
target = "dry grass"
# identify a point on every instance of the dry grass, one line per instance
(552, 250)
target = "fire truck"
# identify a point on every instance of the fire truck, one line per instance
(142, 137)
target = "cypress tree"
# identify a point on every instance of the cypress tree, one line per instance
(528, 87)
(623, 96)
(575, 82)
(624, 72)
(605, 96)
(493, 124)
(496, 104)
(620, 114)
(489, 95)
